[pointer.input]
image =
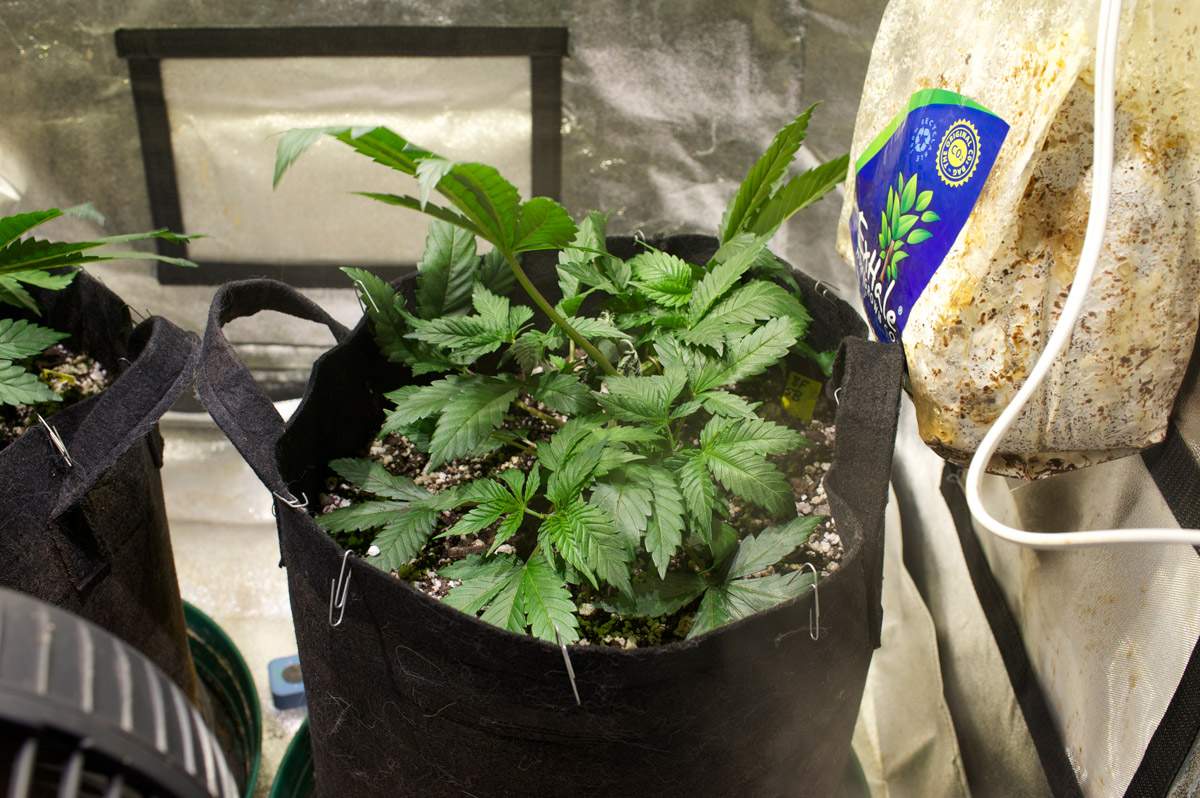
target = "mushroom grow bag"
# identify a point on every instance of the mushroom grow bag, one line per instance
(89, 534)
(410, 697)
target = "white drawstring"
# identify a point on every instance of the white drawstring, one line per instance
(1102, 162)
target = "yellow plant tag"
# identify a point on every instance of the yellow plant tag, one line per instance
(800, 396)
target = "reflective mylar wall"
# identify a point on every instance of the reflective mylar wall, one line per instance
(665, 105)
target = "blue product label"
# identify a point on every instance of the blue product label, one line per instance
(914, 188)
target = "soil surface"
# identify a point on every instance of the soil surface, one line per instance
(806, 469)
(72, 376)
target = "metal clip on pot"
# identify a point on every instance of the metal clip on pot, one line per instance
(570, 667)
(291, 501)
(57, 442)
(338, 589)
(814, 615)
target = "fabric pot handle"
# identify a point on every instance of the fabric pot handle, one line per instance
(127, 411)
(866, 434)
(227, 388)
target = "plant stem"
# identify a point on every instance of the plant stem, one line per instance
(556, 317)
(533, 411)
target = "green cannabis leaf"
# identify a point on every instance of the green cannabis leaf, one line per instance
(635, 378)
(764, 202)
(51, 265)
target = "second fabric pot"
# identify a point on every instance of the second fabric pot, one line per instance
(86, 529)
(408, 696)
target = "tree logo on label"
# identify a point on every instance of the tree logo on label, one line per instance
(958, 153)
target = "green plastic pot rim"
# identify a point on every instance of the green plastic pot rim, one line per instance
(200, 625)
(296, 767)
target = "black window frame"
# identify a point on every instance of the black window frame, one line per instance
(146, 48)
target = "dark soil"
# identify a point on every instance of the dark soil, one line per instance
(806, 468)
(72, 376)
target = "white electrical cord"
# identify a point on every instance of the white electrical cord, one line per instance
(1102, 162)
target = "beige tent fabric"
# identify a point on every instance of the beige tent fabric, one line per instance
(998, 755)
(905, 737)
(1108, 630)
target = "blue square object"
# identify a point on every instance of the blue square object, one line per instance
(287, 683)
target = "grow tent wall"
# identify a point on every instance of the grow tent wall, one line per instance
(663, 106)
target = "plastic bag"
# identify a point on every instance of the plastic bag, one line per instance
(980, 250)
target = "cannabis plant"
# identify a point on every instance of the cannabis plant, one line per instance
(628, 499)
(51, 265)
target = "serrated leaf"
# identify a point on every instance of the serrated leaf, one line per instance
(430, 171)
(11, 293)
(429, 209)
(384, 146)
(362, 516)
(382, 305)
(664, 530)
(723, 544)
(747, 356)
(13, 227)
(757, 553)
(563, 393)
(546, 602)
(30, 260)
(495, 273)
(800, 192)
(738, 312)
(656, 598)
(585, 536)
(529, 350)
(467, 337)
(745, 597)
(401, 539)
(53, 281)
(764, 177)
(482, 194)
(644, 400)
(505, 609)
(414, 402)
(573, 475)
(711, 614)
(21, 339)
(446, 271)
(292, 144)
(482, 581)
(753, 434)
(698, 490)
(750, 476)
(663, 278)
(579, 262)
(475, 520)
(19, 387)
(596, 329)
(729, 405)
(622, 434)
(576, 434)
(373, 478)
(629, 504)
(543, 224)
(469, 418)
(722, 277)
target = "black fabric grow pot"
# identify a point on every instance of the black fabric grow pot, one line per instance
(91, 535)
(410, 697)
